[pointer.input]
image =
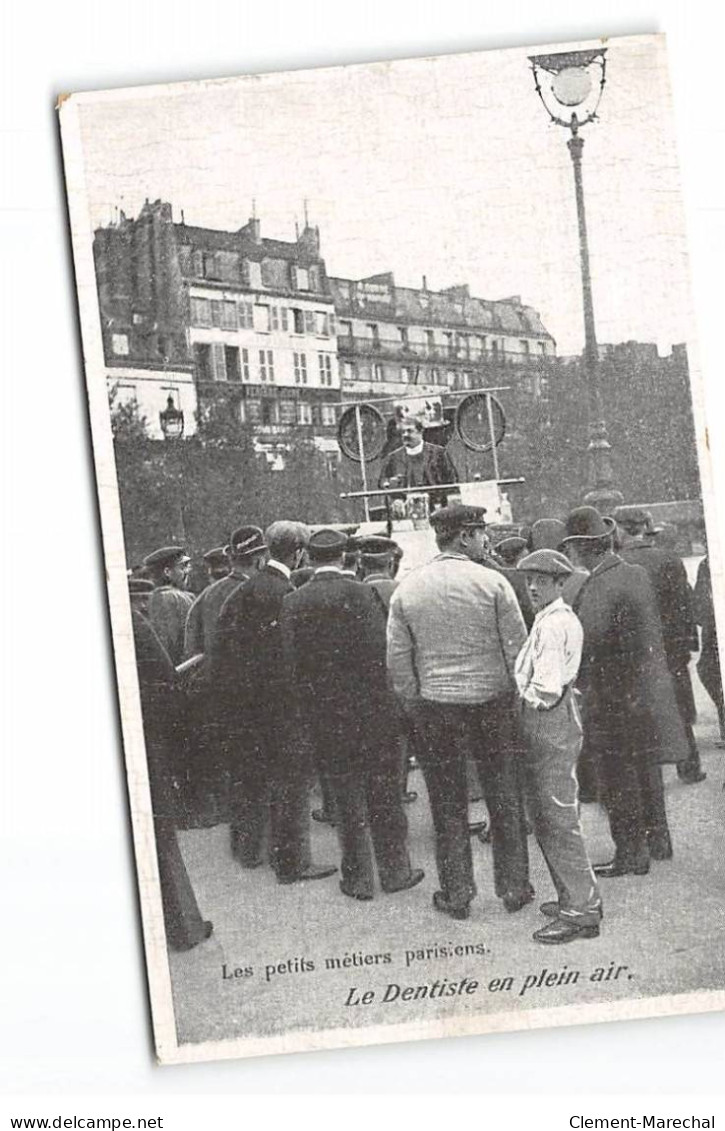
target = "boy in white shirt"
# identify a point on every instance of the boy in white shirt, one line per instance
(545, 672)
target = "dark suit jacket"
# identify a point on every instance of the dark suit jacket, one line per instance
(623, 675)
(437, 468)
(248, 671)
(676, 608)
(334, 637)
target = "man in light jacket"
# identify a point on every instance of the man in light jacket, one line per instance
(454, 632)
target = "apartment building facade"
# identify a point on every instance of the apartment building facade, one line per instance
(395, 340)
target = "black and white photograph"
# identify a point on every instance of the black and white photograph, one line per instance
(407, 515)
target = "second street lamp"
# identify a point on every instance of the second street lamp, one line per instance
(570, 86)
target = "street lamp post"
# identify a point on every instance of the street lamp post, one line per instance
(566, 84)
(171, 420)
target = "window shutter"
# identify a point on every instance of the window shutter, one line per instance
(197, 261)
(218, 361)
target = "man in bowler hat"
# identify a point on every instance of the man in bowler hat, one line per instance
(270, 770)
(676, 608)
(454, 632)
(631, 719)
(334, 636)
(546, 671)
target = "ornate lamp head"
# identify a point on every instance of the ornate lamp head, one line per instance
(171, 420)
(570, 85)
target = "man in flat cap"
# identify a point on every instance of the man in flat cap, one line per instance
(454, 632)
(217, 563)
(417, 464)
(547, 534)
(168, 569)
(631, 719)
(334, 635)
(377, 558)
(270, 765)
(675, 603)
(505, 556)
(546, 671)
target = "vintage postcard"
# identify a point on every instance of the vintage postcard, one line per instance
(404, 489)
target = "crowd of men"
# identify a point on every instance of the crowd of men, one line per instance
(551, 662)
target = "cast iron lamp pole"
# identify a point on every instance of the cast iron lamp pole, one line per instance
(567, 79)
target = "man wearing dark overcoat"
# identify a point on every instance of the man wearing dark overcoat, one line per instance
(247, 551)
(185, 927)
(270, 772)
(676, 608)
(208, 769)
(454, 632)
(334, 635)
(631, 718)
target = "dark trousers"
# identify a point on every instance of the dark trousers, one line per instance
(553, 741)
(635, 802)
(489, 733)
(182, 918)
(371, 825)
(265, 796)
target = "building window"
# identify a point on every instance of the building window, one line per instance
(406, 375)
(374, 334)
(270, 411)
(210, 266)
(255, 274)
(119, 344)
(450, 347)
(245, 315)
(253, 412)
(310, 325)
(245, 365)
(314, 276)
(348, 371)
(329, 415)
(322, 324)
(325, 361)
(137, 319)
(378, 374)
(288, 412)
(202, 362)
(274, 316)
(451, 379)
(200, 312)
(525, 346)
(345, 329)
(229, 315)
(231, 358)
(304, 413)
(300, 363)
(298, 322)
(430, 341)
(266, 365)
(403, 331)
(262, 318)
(463, 345)
(435, 376)
(125, 394)
(494, 346)
(542, 348)
(302, 280)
